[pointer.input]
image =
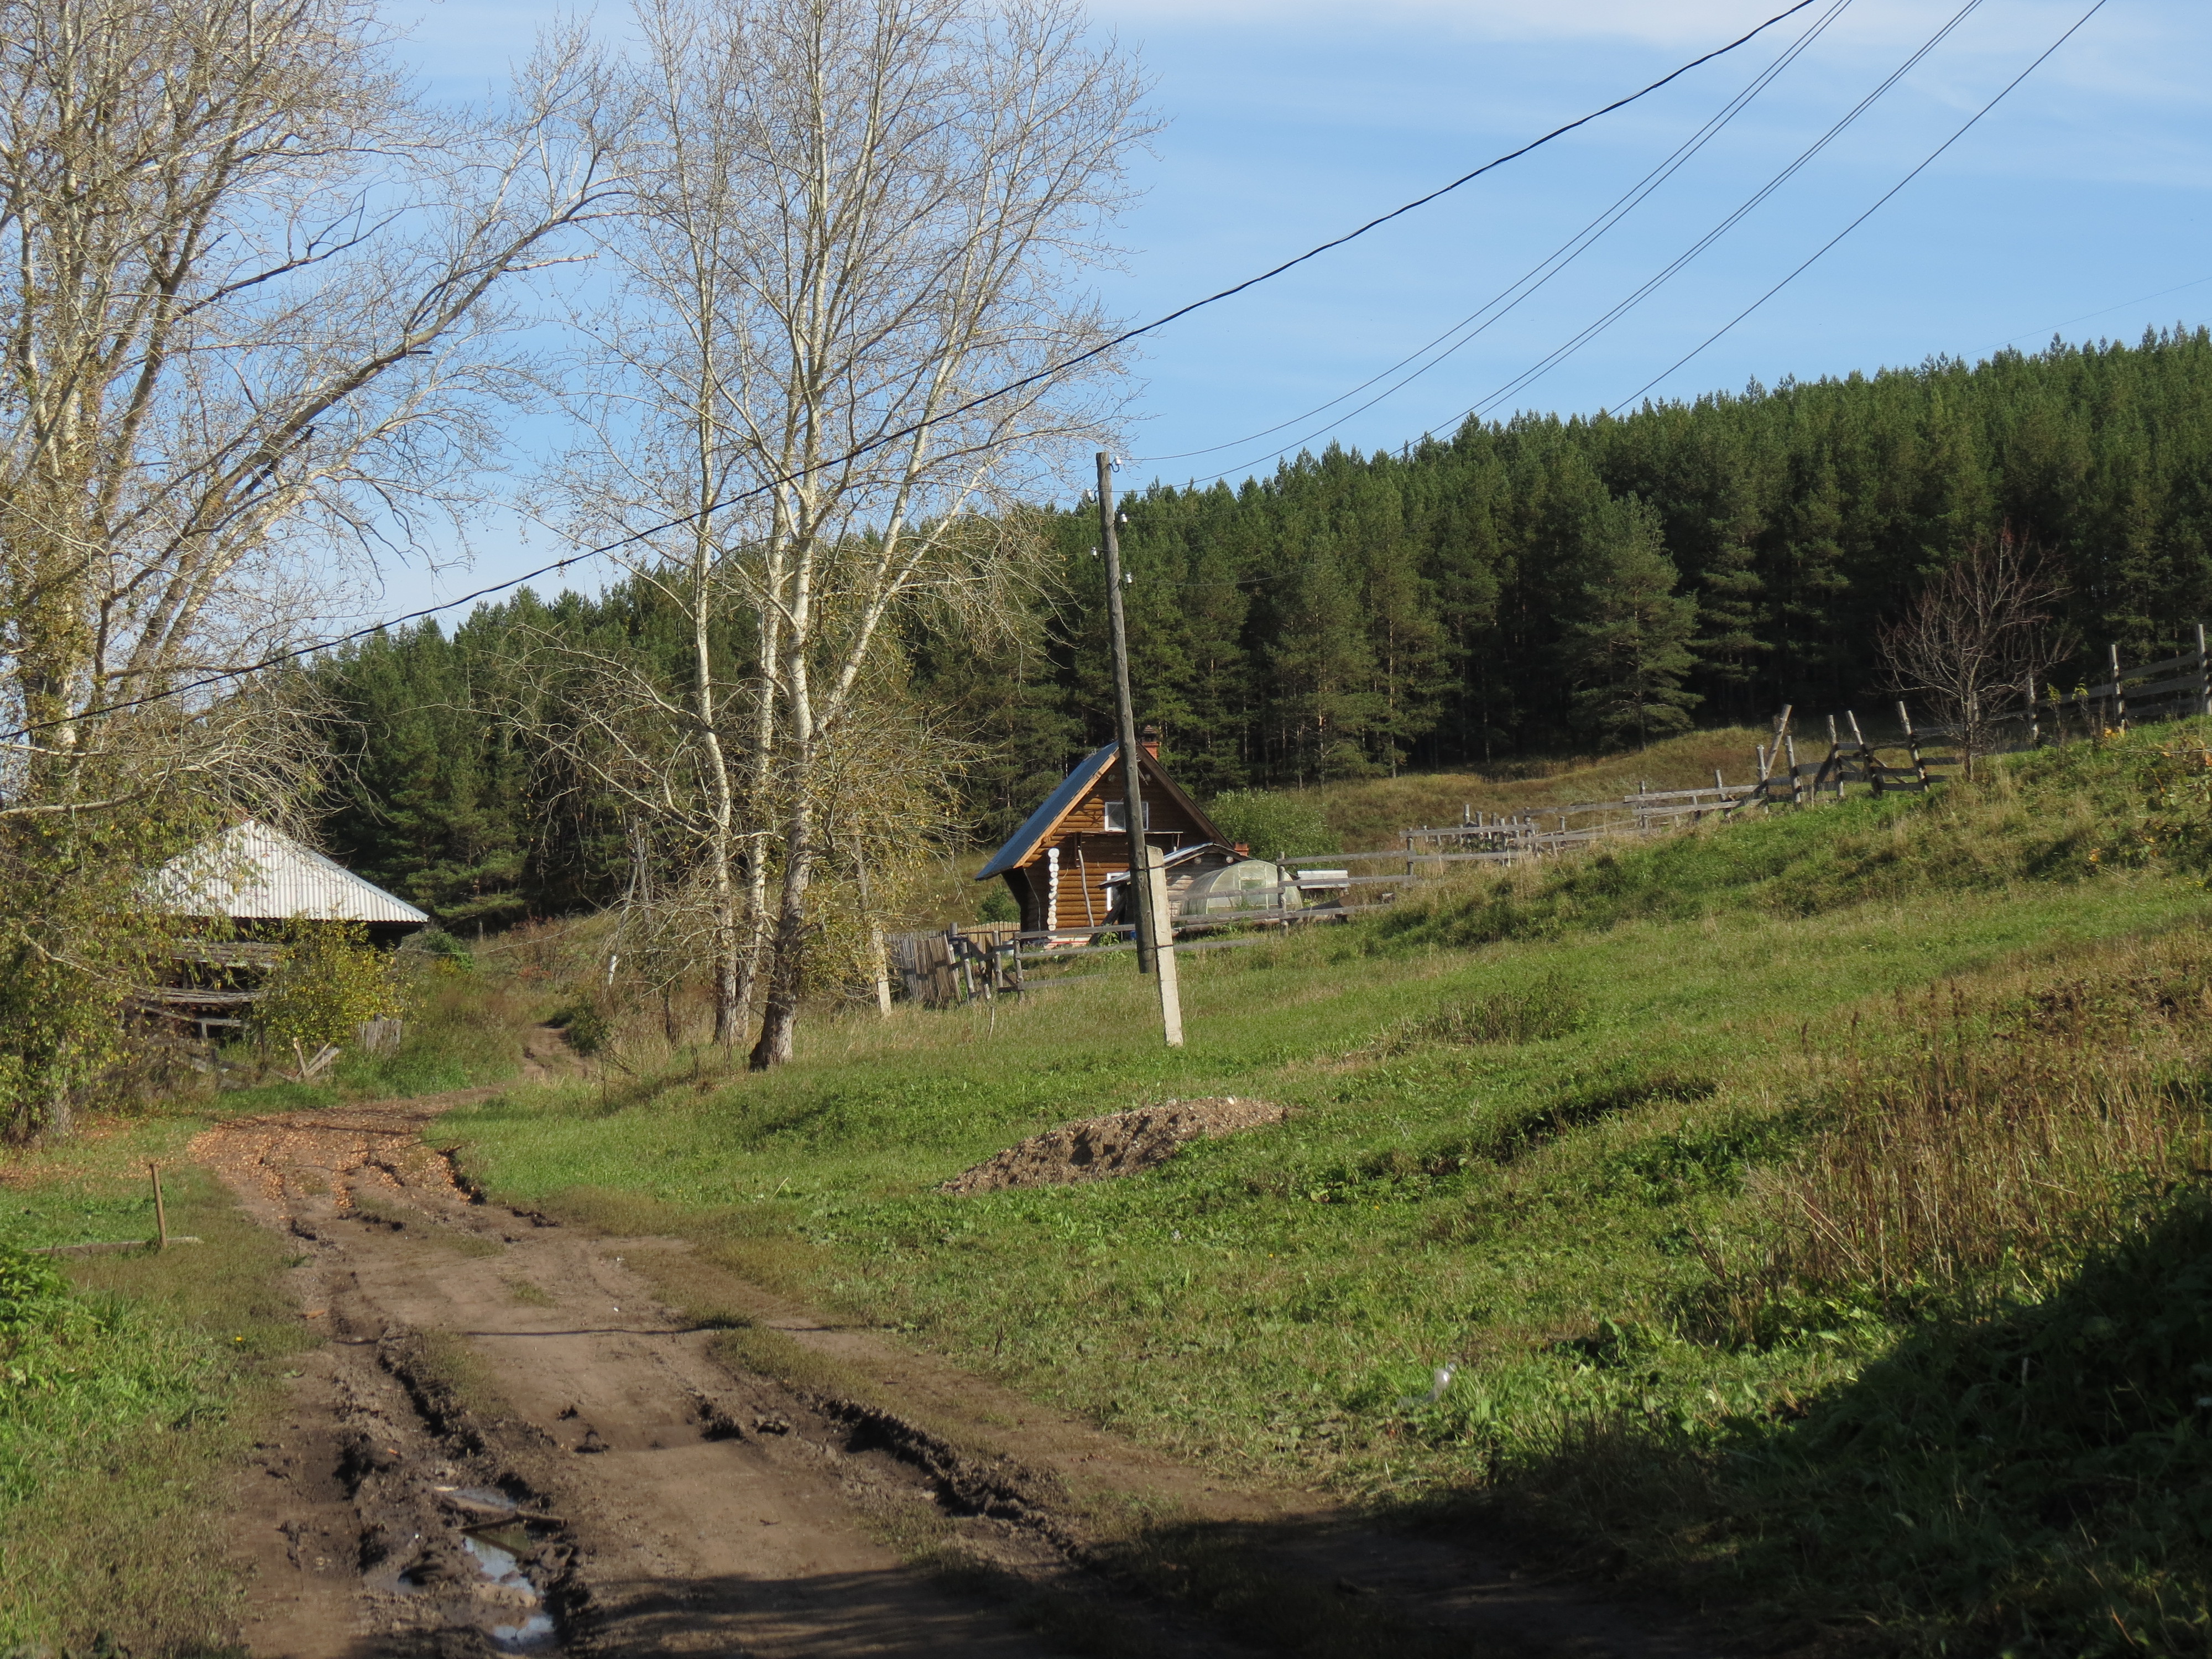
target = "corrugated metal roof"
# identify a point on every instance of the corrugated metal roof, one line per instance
(253, 872)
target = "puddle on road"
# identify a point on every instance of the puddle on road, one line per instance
(496, 1551)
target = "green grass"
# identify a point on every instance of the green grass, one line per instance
(1369, 813)
(1559, 1214)
(126, 1405)
(462, 1031)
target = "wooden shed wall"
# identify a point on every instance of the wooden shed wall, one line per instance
(1089, 853)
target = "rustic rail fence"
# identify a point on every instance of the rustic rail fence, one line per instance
(987, 959)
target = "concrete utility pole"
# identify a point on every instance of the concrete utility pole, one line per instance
(1125, 718)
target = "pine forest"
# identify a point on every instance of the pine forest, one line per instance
(1532, 586)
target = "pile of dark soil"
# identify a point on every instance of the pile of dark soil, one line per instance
(1099, 1148)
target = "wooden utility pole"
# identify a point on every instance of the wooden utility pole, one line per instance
(1125, 719)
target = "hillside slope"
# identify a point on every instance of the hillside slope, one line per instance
(1808, 1209)
(1371, 812)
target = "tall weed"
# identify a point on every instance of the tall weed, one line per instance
(1985, 1131)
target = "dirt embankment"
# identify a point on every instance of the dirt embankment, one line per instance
(510, 1444)
(1100, 1148)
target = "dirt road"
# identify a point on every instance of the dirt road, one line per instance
(508, 1445)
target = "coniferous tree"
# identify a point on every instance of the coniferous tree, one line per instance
(1428, 607)
(1628, 650)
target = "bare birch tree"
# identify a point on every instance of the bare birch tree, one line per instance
(251, 329)
(248, 315)
(1976, 636)
(855, 217)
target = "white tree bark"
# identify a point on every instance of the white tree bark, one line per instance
(855, 217)
(247, 329)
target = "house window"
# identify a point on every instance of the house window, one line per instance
(1117, 816)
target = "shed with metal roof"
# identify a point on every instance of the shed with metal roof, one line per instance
(253, 874)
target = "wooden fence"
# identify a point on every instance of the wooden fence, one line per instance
(2169, 689)
(988, 959)
(960, 964)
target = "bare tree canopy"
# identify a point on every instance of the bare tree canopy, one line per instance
(250, 329)
(1977, 636)
(247, 315)
(852, 218)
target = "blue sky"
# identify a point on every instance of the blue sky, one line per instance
(2080, 197)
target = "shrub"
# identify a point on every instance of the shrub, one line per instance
(1274, 826)
(997, 905)
(32, 1290)
(331, 978)
(446, 953)
(586, 1025)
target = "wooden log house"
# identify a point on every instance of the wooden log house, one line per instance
(1067, 865)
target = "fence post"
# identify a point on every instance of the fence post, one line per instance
(1163, 949)
(2034, 726)
(1912, 747)
(2119, 697)
(1797, 784)
(2203, 674)
(1868, 762)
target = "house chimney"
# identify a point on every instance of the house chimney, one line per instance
(1149, 738)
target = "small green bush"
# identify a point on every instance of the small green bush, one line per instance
(586, 1025)
(997, 905)
(1275, 826)
(32, 1290)
(446, 953)
(331, 980)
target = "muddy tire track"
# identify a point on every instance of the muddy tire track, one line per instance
(493, 1379)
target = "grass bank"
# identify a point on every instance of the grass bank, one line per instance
(131, 1381)
(1635, 1143)
(1369, 813)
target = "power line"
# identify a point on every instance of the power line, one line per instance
(2140, 298)
(1528, 376)
(1970, 123)
(1542, 272)
(884, 440)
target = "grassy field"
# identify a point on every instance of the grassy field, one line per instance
(131, 1382)
(1369, 813)
(1738, 1175)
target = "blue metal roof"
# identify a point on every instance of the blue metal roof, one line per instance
(1039, 823)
